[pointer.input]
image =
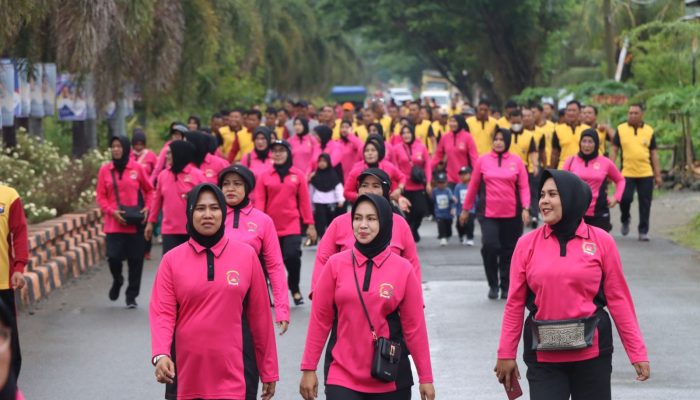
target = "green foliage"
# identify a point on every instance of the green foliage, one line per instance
(49, 183)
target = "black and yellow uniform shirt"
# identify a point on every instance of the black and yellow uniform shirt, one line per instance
(482, 132)
(522, 145)
(543, 139)
(636, 144)
(566, 139)
(423, 134)
(503, 122)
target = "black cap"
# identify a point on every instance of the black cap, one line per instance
(465, 170)
(245, 173)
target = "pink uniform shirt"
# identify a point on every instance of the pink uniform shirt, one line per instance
(305, 151)
(255, 164)
(596, 173)
(351, 186)
(504, 181)
(288, 203)
(211, 167)
(339, 237)
(206, 316)
(170, 196)
(405, 157)
(147, 159)
(133, 179)
(160, 164)
(564, 288)
(350, 153)
(393, 286)
(460, 150)
(255, 228)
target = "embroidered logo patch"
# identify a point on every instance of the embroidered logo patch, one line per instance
(293, 178)
(386, 290)
(232, 277)
(589, 248)
(596, 165)
(461, 146)
(187, 178)
(252, 226)
(209, 173)
(133, 175)
(512, 166)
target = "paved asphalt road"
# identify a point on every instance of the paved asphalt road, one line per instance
(79, 345)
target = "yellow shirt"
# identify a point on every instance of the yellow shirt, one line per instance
(545, 131)
(438, 129)
(524, 146)
(279, 132)
(385, 122)
(336, 129)
(422, 134)
(361, 132)
(8, 196)
(245, 143)
(636, 145)
(503, 122)
(568, 138)
(229, 137)
(482, 131)
(602, 137)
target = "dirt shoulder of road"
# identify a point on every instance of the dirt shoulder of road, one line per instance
(676, 216)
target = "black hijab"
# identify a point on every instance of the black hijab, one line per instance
(201, 144)
(506, 138)
(305, 123)
(325, 180)
(182, 153)
(325, 134)
(267, 133)
(213, 143)
(283, 170)
(248, 179)
(121, 163)
(381, 150)
(461, 126)
(206, 241)
(386, 223)
(593, 134)
(379, 128)
(412, 129)
(575, 196)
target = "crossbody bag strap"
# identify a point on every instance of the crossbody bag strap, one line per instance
(116, 189)
(359, 294)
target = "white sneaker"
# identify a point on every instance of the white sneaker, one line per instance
(470, 242)
(465, 242)
(443, 242)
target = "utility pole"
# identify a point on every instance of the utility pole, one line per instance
(609, 40)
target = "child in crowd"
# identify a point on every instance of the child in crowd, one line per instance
(326, 192)
(444, 208)
(466, 231)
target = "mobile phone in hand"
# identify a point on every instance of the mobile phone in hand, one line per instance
(516, 391)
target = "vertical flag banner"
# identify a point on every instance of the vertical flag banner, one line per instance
(70, 99)
(48, 88)
(36, 94)
(7, 91)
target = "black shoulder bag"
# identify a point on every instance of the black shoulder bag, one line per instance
(387, 353)
(417, 173)
(132, 214)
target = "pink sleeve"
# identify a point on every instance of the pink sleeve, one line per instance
(473, 154)
(428, 165)
(620, 303)
(414, 328)
(512, 325)
(321, 319)
(410, 251)
(102, 191)
(260, 194)
(325, 249)
(473, 188)
(524, 186)
(260, 321)
(437, 157)
(275, 270)
(162, 310)
(156, 203)
(351, 186)
(397, 177)
(619, 180)
(568, 163)
(160, 164)
(307, 214)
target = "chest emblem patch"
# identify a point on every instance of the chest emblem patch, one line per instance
(187, 178)
(209, 173)
(596, 165)
(232, 277)
(461, 146)
(512, 166)
(293, 178)
(589, 248)
(386, 290)
(252, 226)
(133, 175)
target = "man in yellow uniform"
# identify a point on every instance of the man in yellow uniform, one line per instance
(349, 115)
(522, 144)
(228, 134)
(589, 116)
(383, 119)
(394, 125)
(544, 132)
(482, 127)
(281, 131)
(439, 124)
(504, 121)
(421, 120)
(640, 167)
(567, 135)
(244, 137)
(14, 255)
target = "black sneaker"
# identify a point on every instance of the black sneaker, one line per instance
(114, 291)
(493, 293)
(625, 228)
(131, 304)
(298, 300)
(504, 294)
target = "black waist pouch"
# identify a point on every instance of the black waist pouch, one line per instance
(385, 363)
(563, 335)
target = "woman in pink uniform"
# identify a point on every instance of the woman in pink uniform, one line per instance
(363, 293)
(124, 179)
(170, 195)
(595, 170)
(141, 154)
(411, 157)
(283, 193)
(457, 149)
(374, 153)
(202, 291)
(338, 236)
(305, 147)
(566, 273)
(209, 164)
(350, 148)
(177, 132)
(259, 158)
